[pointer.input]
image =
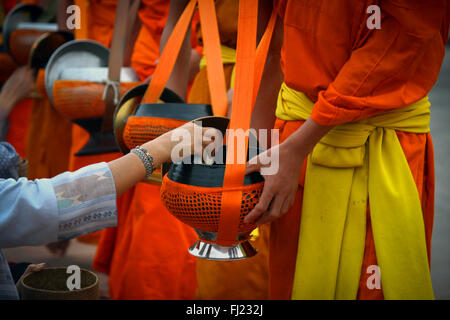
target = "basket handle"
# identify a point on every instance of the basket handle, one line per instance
(249, 70)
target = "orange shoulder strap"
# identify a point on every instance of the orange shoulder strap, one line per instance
(170, 53)
(249, 70)
(240, 119)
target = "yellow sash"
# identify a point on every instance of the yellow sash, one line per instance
(228, 57)
(355, 162)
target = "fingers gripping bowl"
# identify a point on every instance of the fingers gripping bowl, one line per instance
(193, 193)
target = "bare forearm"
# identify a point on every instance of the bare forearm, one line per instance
(263, 116)
(7, 102)
(179, 77)
(129, 169)
(302, 141)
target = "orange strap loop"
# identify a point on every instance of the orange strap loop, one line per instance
(169, 56)
(139, 130)
(249, 70)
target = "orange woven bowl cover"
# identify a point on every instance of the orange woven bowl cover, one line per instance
(200, 207)
(76, 99)
(193, 194)
(139, 130)
(154, 119)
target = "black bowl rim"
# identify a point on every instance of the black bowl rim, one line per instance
(170, 110)
(204, 170)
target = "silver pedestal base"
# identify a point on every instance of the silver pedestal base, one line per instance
(211, 251)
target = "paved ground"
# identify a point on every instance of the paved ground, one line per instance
(82, 254)
(440, 130)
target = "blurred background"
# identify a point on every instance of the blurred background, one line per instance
(440, 130)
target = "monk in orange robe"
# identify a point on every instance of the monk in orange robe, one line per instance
(153, 15)
(350, 72)
(49, 137)
(146, 255)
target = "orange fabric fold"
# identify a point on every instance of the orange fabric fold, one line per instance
(49, 137)
(19, 119)
(7, 67)
(367, 71)
(153, 14)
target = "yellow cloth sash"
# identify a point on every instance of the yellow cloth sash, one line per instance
(355, 162)
(228, 57)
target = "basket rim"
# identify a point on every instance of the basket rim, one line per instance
(96, 282)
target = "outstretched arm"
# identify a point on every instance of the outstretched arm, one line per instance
(75, 203)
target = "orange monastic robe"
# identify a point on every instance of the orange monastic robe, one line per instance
(49, 137)
(19, 119)
(20, 114)
(146, 255)
(355, 77)
(153, 15)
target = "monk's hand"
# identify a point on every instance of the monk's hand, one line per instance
(281, 186)
(281, 182)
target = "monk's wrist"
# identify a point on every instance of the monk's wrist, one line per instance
(304, 140)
